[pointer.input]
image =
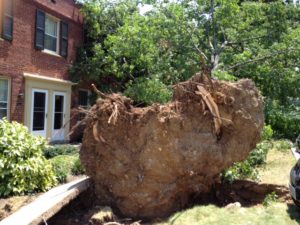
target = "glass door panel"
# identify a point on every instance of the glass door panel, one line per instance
(58, 133)
(39, 112)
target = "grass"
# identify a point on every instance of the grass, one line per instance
(280, 160)
(276, 214)
(276, 171)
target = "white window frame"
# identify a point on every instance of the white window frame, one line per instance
(8, 96)
(57, 38)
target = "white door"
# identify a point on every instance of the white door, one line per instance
(58, 123)
(39, 112)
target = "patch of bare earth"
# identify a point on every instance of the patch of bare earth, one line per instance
(10, 205)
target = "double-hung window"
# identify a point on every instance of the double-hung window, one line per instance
(4, 98)
(51, 34)
(51, 42)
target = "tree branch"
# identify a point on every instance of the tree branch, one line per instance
(195, 45)
(246, 40)
(270, 56)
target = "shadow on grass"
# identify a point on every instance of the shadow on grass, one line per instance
(294, 212)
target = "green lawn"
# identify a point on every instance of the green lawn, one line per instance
(276, 214)
(279, 162)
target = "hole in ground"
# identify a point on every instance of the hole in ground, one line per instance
(247, 193)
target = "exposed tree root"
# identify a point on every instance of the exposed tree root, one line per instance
(148, 162)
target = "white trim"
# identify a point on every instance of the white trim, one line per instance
(46, 51)
(51, 79)
(8, 95)
(62, 130)
(43, 132)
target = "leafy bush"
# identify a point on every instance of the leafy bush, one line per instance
(247, 169)
(285, 120)
(65, 165)
(62, 166)
(267, 133)
(55, 150)
(23, 168)
(77, 168)
(148, 91)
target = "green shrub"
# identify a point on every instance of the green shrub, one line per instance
(267, 133)
(248, 168)
(259, 155)
(240, 170)
(62, 166)
(77, 168)
(285, 120)
(23, 168)
(55, 150)
(66, 165)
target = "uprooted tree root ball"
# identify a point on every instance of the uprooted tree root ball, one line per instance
(148, 162)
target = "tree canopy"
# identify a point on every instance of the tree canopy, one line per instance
(143, 54)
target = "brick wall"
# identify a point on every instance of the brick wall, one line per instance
(20, 55)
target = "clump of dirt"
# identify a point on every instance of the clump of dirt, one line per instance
(148, 162)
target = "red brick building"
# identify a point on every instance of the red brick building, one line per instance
(38, 42)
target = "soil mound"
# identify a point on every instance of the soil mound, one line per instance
(148, 162)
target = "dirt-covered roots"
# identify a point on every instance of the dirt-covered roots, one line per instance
(147, 162)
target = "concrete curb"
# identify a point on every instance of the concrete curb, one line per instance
(47, 204)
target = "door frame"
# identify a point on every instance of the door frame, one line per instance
(59, 93)
(44, 132)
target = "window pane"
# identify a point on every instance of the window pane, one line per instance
(39, 100)
(51, 27)
(50, 43)
(59, 103)
(3, 90)
(39, 111)
(58, 120)
(39, 121)
(58, 115)
(3, 105)
(3, 113)
(83, 98)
